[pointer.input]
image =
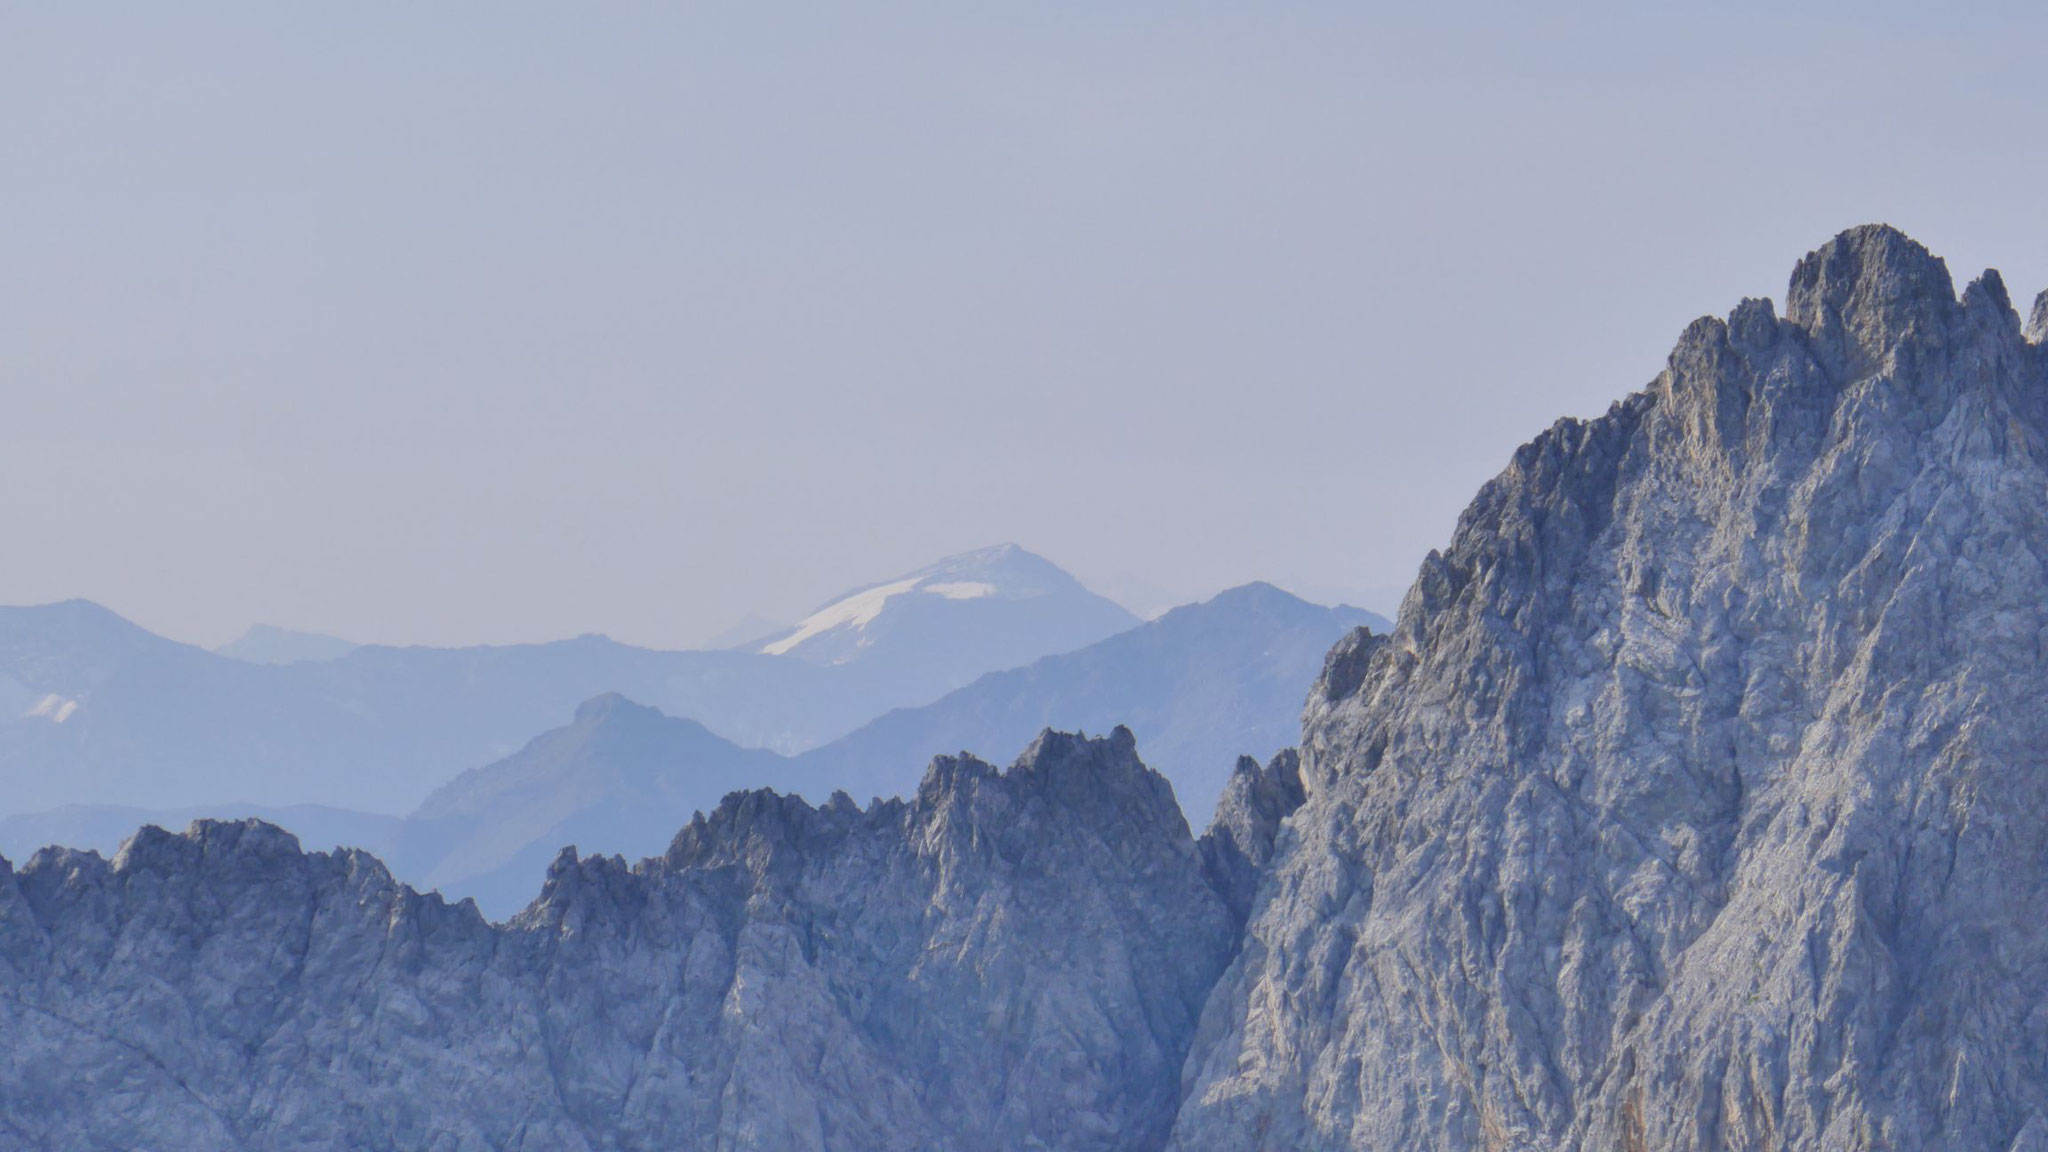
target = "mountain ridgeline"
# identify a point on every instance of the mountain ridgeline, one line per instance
(1200, 685)
(1693, 801)
(94, 710)
(1004, 960)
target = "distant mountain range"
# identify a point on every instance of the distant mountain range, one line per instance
(268, 644)
(746, 633)
(1199, 686)
(100, 711)
(620, 776)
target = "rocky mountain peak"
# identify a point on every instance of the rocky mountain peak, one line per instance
(763, 821)
(1858, 296)
(610, 705)
(1987, 295)
(212, 845)
(2037, 324)
(1246, 828)
(1070, 767)
(1665, 817)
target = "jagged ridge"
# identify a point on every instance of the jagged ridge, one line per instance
(1007, 959)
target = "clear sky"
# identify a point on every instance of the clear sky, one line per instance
(458, 322)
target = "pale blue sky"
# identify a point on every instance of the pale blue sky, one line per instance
(462, 322)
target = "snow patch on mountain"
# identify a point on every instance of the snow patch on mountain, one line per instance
(53, 708)
(855, 611)
(994, 607)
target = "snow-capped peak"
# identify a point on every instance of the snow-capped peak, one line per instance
(857, 610)
(847, 627)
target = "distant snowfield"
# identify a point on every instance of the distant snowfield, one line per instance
(54, 708)
(860, 609)
(856, 611)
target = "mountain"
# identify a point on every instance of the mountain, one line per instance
(265, 644)
(618, 780)
(1199, 685)
(951, 621)
(96, 711)
(748, 632)
(106, 713)
(107, 826)
(1203, 683)
(1696, 799)
(1004, 960)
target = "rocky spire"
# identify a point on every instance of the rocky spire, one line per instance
(1862, 294)
(1246, 829)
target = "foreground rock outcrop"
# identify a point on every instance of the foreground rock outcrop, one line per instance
(1006, 960)
(1699, 798)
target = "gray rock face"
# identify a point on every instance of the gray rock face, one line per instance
(1006, 960)
(1697, 799)
(1246, 830)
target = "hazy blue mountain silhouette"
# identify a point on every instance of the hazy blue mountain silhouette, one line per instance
(614, 778)
(95, 710)
(269, 644)
(1200, 685)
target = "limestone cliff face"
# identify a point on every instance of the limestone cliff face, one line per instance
(1699, 798)
(1007, 960)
